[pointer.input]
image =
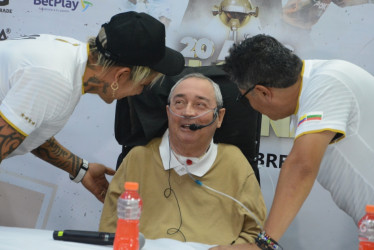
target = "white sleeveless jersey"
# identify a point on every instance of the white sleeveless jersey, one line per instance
(40, 85)
(339, 96)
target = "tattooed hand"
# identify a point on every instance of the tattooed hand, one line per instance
(56, 154)
(95, 180)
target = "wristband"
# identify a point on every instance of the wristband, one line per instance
(81, 173)
(265, 242)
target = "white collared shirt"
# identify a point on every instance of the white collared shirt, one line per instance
(37, 94)
(197, 166)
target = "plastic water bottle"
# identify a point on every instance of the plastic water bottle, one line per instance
(366, 229)
(128, 208)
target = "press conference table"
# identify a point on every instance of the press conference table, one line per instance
(14, 238)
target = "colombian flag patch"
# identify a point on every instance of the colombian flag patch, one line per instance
(312, 116)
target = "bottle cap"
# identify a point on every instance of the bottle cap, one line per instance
(131, 185)
(370, 208)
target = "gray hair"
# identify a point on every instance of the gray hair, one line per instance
(217, 90)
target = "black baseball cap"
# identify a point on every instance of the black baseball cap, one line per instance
(138, 39)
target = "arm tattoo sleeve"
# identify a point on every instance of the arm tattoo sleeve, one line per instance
(56, 154)
(10, 139)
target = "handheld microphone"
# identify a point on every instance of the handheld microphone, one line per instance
(195, 127)
(90, 237)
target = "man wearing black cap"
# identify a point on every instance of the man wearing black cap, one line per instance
(42, 78)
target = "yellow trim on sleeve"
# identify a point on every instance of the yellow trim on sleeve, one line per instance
(85, 70)
(321, 130)
(12, 125)
(301, 87)
(62, 40)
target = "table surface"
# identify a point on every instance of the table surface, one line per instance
(14, 238)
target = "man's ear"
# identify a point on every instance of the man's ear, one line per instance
(263, 92)
(221, 114)
(122, 72)
(167, 111)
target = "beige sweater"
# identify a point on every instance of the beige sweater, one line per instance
(207, 217)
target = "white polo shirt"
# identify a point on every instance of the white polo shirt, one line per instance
(197, 166)
(40, 85)
(339, 96)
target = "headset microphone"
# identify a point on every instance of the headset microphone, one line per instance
(195, 127)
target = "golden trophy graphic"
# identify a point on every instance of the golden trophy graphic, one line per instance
(235, 14)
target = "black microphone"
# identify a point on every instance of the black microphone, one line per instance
(90, 237)
(195, 127)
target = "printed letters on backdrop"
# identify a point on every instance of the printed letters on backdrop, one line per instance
(58, 3)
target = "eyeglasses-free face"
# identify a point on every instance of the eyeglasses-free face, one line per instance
(199, 108)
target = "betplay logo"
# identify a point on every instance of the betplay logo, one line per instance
(65, 4)
(85, 5)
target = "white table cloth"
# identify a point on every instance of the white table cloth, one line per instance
(14, 238)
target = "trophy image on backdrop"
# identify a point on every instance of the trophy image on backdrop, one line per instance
(235, 14)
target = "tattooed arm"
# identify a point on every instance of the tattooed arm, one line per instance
(56, 154)
(51, 151)
(10, 139)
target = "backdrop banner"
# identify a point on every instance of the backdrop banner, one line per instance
(33, 194)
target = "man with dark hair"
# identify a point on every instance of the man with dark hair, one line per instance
(331, 103)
